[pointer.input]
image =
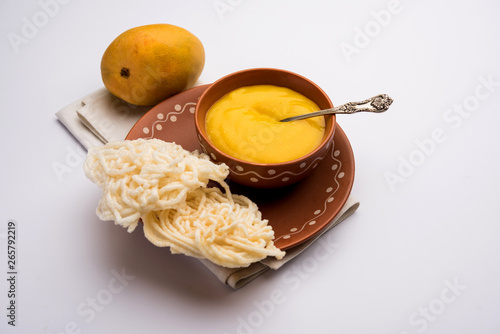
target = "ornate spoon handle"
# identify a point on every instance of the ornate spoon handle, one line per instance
(377, 104)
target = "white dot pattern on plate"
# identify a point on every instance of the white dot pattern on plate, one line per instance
(329, 190)
(213, 156)
(285, 179)
(239, 168)
(173, 118)
(253, 179)
(271, 172)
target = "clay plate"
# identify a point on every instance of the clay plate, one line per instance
(296, 212)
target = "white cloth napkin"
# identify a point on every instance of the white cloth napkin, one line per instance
(100, 117)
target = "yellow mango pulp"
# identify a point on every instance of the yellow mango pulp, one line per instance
(245, 124)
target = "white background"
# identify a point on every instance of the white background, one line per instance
(421, 228)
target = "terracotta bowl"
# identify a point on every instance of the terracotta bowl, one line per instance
(261, 175)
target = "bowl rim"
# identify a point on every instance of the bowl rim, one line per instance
(324, 143)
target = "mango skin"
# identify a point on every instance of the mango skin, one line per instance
(147, 64)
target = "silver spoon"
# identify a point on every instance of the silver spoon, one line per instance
(377, 104)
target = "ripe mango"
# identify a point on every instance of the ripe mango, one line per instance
(147, 64)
